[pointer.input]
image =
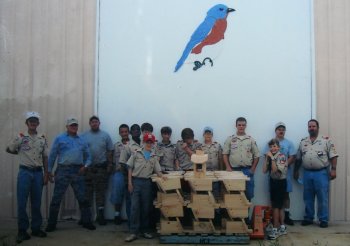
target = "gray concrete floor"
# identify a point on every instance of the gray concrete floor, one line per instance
(69, 233)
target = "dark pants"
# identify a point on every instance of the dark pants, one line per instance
(65, 176)
(119, 190)
(141, 201)
(96, 181)
(29, 181)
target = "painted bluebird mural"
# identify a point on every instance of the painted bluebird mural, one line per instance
(209, 32)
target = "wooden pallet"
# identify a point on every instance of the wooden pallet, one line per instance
(204, 239)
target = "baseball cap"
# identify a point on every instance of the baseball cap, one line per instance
(280, 124)
(207, 129)
(32, 114)
(149, 137)
(71, 121)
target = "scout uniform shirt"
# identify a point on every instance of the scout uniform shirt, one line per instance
(142, 168)
(316, 155)
(282, 166)
(166, 153)
(241, 150)
(181, 155)
(214, 151)
(30, 149)
(128, 150)
(118, 148)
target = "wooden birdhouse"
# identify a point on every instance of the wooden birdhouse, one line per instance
(199, 160)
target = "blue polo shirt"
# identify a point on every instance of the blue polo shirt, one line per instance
(99, 144)
(286, 147)
(69, 150)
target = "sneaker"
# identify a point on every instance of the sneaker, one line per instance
(323, 224)
(22, 235)
(273, 235)
(50, 228)
(38, 233)
(147, 235)
(282, 230)
(89, 226)
(131, 238)
(117, 220)
(306, 222)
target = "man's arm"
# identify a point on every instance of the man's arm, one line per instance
(333, 173)
(227, 163)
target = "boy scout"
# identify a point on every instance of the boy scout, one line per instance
(213, 149)
(97, 175)
(142, 164)
(286, 148)
(166, 150)
(120, 176)
(241, 153)
(185, 148)
(31, 148)
(73, 157)
(134, 144)
(318, 157)
(276, 165)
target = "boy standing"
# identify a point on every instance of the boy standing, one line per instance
(166, 150)
(185, 148)
(142, 164)
(277, 165)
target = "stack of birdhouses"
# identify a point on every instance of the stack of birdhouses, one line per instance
(200, 205)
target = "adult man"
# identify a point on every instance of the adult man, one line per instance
(286, 148)
(120, 176)
(73, 157)
(97, 174)
(241, 153)
(31, 148)
(319, 160)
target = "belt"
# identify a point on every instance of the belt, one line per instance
(69, 165)
(33, 169)
(100, 165)
(315, 170)
(239, 168)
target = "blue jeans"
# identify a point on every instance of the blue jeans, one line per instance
(119, 190)
(141, 202)
(29, 182)
(65, 176)
(316, 183)
(249, 191)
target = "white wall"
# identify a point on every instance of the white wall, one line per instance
(262, 71)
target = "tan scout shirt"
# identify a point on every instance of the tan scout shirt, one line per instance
(241, 150)
(166, 153)
(142, 168)
(181, 155)
(316, 155)
(214, 152)
(31, 149)
(282, 166)
(128, 150)
(118, 148)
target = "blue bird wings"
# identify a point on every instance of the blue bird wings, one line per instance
(198, 36)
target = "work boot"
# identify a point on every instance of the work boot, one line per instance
(287, 219)
(101, 218)
(117, 220)
(89, 226)
(50, 228)
(22, 235)
(38, 233)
